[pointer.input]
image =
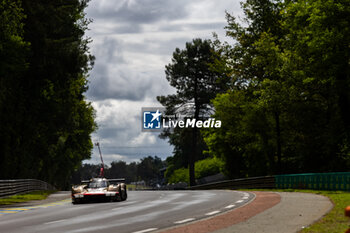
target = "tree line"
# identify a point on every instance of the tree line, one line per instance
(281, 90)
(45, 121)
(148, 169)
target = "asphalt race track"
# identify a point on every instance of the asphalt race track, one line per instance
(143, 211)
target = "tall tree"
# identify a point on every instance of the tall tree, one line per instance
(52, 133)
(317, 59)
(119, 169)
(59, 63)
(287, 104)
(149, 169)
(13, 65)
(253, 135)
(196, 84)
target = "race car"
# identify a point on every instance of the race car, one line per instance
(99, 189)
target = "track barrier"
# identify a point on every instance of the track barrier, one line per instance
(18, 186)
(316, 181)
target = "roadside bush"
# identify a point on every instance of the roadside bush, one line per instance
(203, 168)
(169, 171)
(179, 175)
(208, 167)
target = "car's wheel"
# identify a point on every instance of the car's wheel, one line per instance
(123, 195)
(76, 201)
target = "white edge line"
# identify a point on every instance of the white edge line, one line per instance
(184, 221)
(146, 230)
(62, 220)
(249, 201)
(229, 206)
(212, 213)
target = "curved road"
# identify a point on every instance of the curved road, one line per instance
(144, 211)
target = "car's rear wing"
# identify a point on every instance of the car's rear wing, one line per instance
(119, 180)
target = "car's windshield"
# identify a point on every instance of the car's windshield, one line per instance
(97, 184)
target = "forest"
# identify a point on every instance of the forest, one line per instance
(45, 121)
(281, 91)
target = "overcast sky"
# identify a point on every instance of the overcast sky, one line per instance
(133, 40)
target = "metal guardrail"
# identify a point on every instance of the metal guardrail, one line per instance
(12, 187)
(316, 181)
(267, 182)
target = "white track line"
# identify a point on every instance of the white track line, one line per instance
(229, 206)
(146, 230)
(245, 197)
(239, 201)
(56, 221)
(185, 220)
(212, 213)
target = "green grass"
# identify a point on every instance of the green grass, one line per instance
(335, 221)
(131, 186)
(136, 187)
(35, 195)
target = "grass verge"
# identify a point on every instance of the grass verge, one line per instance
(335, 221)
(35, 195)
(137, 187)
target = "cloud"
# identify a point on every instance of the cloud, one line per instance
(144, 139)
(120, 132)
(117, 83)
(133, 40)
(132, 12)
(122, 71)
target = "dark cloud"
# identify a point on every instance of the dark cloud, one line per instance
(124, 86)
(156, 46)
(211, 26)
(133, 12)
(109, 51)
(113, 77)
(127, 29)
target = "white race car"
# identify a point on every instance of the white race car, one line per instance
(99, 189)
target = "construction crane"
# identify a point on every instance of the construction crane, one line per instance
(102, 163)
